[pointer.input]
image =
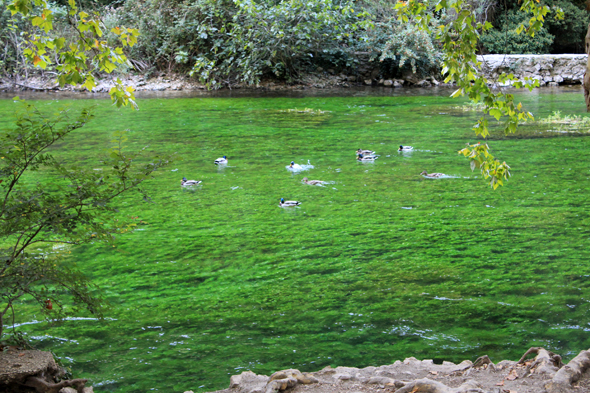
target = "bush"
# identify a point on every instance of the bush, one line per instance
(398, 44)
(12, 60)
(570, 32)
(281, 40)
(507, 41)
(556, 36)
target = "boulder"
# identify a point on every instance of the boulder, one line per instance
(37, 370)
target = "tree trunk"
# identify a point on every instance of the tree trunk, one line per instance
(574, 369)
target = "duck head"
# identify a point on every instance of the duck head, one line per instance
(360, 157)
(292, 163)
(282, 200)
(305, 179)
(225, 157)
(401, 147)
(424, 173)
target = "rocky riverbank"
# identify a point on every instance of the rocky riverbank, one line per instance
(183, 83)
(545, 373)
(550, 70)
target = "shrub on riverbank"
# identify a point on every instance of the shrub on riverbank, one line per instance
(556, 36)
(224, 43)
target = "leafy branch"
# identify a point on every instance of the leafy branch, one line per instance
(72, 207)
(460, 36)
(77, 61)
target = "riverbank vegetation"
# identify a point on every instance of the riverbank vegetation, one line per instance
(225, 43)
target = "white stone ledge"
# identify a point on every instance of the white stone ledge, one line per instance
(548, 69)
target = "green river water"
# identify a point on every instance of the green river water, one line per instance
(379, 265)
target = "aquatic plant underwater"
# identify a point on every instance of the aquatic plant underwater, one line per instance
(375, 266)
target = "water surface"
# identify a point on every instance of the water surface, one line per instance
(379, 265)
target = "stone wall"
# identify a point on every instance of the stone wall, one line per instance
(550, 70)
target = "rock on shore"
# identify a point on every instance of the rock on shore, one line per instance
(549, 70)
(543, 374)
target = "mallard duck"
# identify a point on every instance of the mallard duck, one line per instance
(367, 158)
(405, 148)
(285, 203)
(435, 175)
(313, 182)
(221, 160)
(186, 183)
(365, 152)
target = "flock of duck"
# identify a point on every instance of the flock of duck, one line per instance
(362, 156)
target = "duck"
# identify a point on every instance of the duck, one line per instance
(405, 148)
(313, 182)
(222, 160)
(367, 158)
(295, 166)
(285, 203)
(435, 175)
(365, 152)
(186, 183)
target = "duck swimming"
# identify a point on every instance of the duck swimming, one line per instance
(435, 175)
(186, 183)
(313, 182)
(365, 152)
(285, 203)
(367, 158)
(222, 160)
(405, 148)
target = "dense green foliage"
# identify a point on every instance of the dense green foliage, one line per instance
(75, 49)
(12, 60)
(280, 39)
(507, 40)
(45, 202)
(227, 42)
(224, 42)
(557, 35)
(397, 44)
